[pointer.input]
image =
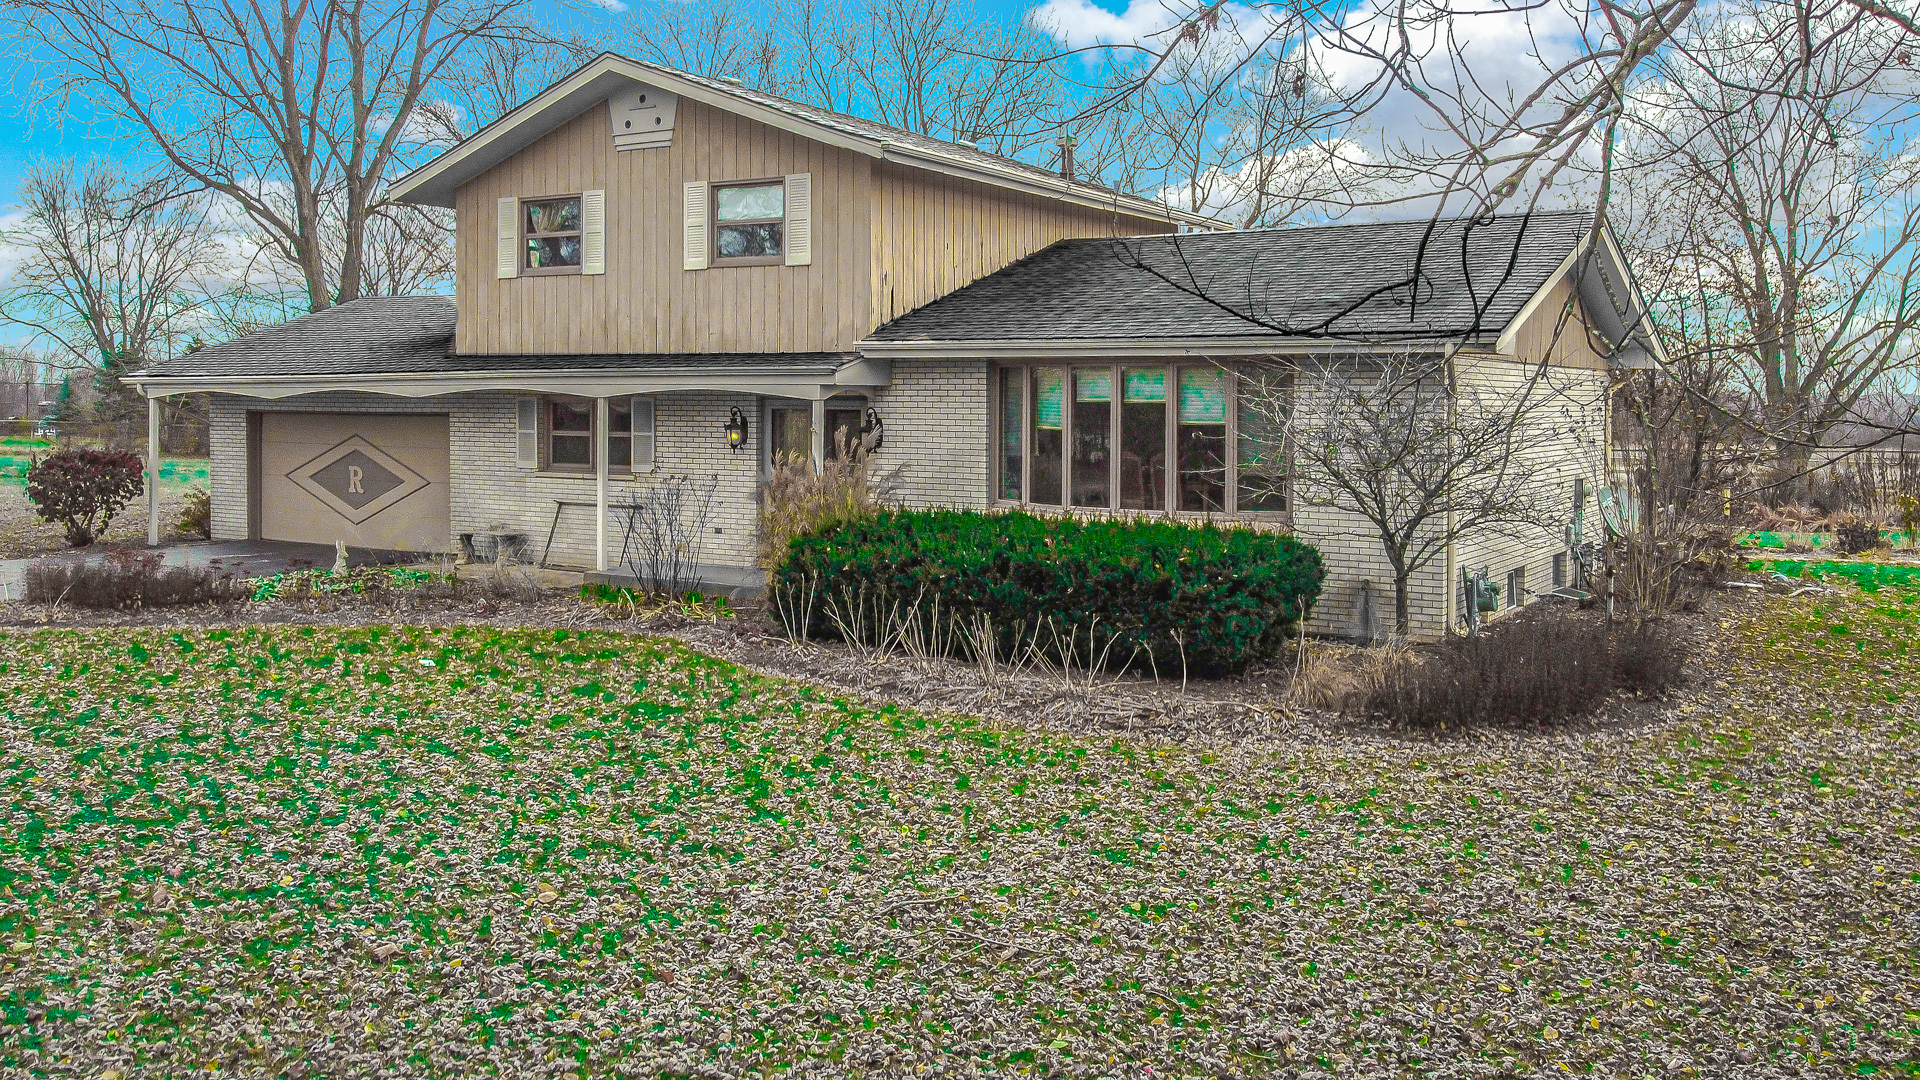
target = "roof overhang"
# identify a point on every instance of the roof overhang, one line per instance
(862, 373)
(1614, 306)
(1148, 348)
(435, 183)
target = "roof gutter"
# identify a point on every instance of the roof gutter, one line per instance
(808, 383)
(1075, 348)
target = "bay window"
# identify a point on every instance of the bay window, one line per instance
(1194, 438)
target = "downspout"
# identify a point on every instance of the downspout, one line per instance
(1451, 608)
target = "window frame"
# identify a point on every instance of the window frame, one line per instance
(548, 465)
(1170, 497)
(839, 403)
(714, 224)
(578, 197)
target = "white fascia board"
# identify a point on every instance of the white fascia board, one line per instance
(434, 183)
(1509, 340)
(1098, 348)
(576, 383)
(1641, 310)
(1063, 189)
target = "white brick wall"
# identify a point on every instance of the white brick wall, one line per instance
(938, 453)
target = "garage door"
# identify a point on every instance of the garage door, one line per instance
(375, 480)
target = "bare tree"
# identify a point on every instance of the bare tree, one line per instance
(1416, 456)
(1774, 181)
(116, 271)
(298, 112)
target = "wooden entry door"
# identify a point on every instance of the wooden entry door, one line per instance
(374, 480)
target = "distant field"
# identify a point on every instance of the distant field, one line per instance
(16, 455)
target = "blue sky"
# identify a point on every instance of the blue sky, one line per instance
(28, 134)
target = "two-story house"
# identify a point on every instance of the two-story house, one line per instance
(661, 275)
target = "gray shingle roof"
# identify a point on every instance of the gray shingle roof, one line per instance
(1338, 281)
(391, 335)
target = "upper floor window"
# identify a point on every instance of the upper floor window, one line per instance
(1194, 438)
(749, 222)
(552, 235)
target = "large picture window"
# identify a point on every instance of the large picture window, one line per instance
(1194, 438)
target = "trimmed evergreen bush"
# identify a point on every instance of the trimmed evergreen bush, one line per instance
(1179, 598)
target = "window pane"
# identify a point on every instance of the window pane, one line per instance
(1012, 414)
(1049, 407)
(619, 414)
(560, 215)
(570, 416)
(792, 436)
(1092, 437)
(750, 203)
(1261, 408)
(747, 241)
(843, 430)
(619, 451)
(553, 251)
(1143, 439)
(572, 449)
(1203, 439)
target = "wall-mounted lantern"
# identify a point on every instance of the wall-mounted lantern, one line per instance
(873, 433)
(736, 428)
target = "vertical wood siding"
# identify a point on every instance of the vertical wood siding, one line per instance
(886, 240)
(645, 302)
(933, 234)
(1559, 337)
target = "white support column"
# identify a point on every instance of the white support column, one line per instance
(153, 472)
(600, 420)
(819, 435)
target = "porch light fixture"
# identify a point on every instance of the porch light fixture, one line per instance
(873, 433)
(736, 428)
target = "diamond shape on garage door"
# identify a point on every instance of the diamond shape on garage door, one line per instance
(357, 479)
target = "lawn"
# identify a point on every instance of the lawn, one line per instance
(472, 851)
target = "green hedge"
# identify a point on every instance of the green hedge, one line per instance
(1148, 593)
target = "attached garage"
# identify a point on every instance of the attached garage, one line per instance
(374, 480)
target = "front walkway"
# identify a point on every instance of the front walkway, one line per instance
(249, 558)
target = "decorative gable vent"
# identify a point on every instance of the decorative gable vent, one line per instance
(642, 117)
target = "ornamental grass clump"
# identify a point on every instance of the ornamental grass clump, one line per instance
(81, 490)
(1169, 597)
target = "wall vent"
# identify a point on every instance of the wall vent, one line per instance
(642, 117)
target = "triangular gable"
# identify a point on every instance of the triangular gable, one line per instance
(609, 74)
(1611, 299)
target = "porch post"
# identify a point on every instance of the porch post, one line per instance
(819, 447)
(600, 419)
(153, 472)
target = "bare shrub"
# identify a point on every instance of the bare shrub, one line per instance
(1536, 669)
(1674, 570)
(196, 514)
(510, 579)
(798, 500)
(1855, 534)
(666, 530)
(129, 579)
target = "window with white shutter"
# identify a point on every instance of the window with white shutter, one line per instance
(508, 234)
(593, 232)
(528, 433)
(799, 225)
(695, 218)
(642, 433)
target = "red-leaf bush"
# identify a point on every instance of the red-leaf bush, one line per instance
(81, 490)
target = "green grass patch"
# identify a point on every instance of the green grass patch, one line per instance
(1869, 577)
(455, 851)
